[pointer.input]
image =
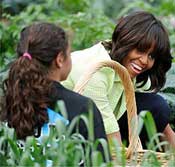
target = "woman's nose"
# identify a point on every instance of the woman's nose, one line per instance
(144, 59)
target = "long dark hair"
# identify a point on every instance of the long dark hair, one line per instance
(26, 90)
(140, 30)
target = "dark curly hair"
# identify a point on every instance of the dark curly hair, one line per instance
(26, 90)
(141, 30)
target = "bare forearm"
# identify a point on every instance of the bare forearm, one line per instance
(115, 135)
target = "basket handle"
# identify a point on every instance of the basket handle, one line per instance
(134, 141)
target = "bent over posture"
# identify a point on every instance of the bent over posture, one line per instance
(140, 43)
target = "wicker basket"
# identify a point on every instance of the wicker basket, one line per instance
(134, 150)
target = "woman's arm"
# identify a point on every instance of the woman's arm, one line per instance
(169, 135)
(115, 135)
(97, 89)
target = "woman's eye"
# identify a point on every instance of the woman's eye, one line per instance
(151, 56)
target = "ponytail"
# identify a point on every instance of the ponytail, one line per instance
(26, 92)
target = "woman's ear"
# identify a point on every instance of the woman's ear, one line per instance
(59, 60)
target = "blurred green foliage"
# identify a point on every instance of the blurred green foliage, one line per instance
(84, 25)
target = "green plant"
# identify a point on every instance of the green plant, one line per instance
(150, 158)
(60, 148)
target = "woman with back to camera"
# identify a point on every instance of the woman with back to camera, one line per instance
(33, 83)
(140, 43)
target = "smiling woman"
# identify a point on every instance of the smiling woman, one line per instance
(140, 43)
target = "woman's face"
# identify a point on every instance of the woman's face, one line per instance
(137, 62)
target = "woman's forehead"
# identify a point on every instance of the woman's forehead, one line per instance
(147, 45)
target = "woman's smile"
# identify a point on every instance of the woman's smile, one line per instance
(137, 62)
(136, 68)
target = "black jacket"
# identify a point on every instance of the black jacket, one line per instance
(77, 104)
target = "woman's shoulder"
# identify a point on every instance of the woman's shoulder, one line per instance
(75, 103)
(70, 96)
(94, 53)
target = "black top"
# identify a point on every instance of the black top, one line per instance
(77, 104)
